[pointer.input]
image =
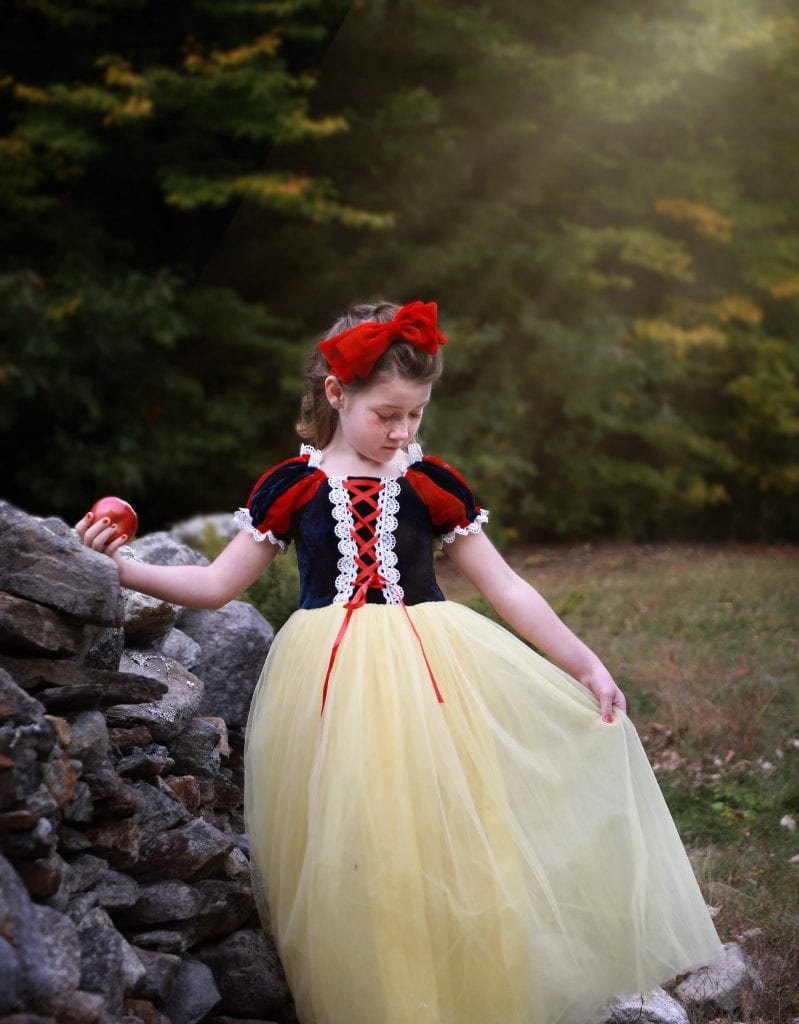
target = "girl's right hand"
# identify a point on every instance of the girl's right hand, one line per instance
(100, 535)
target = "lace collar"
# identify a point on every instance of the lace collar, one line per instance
(414, 454)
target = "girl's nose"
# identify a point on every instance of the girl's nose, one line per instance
(399, 430)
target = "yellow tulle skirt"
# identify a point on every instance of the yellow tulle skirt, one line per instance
(503, 857)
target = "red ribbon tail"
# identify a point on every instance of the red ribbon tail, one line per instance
(439, 698)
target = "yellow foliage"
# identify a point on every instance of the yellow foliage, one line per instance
(700, 493)
(135, 108)
(708, 223)
(68, 308)
(785, 289)
(739, 307)
(680, 337)
(264, 45)
(118, 72)
(30, 93)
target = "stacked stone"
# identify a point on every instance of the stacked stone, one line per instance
(125, 890)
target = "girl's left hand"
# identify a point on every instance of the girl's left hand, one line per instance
(600, 682)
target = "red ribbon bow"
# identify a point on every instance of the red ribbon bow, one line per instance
(354, 352)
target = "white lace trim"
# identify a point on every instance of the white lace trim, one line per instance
(415, 453)
(385, 525)
(315, 455)
(243, 520)
(475, 527)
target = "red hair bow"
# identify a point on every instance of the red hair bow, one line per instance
(354, 352)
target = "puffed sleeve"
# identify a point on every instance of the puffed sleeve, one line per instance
(274, 499)
(450, 502)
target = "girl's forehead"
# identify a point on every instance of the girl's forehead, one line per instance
(397, 391)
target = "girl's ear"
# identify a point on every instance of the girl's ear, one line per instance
(334, 391)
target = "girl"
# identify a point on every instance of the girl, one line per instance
(445, 827)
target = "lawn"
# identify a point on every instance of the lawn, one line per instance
(704, 641)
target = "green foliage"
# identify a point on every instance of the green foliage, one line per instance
(720, 806)
(601, 198)
(603, 203)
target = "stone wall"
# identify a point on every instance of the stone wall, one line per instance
(125, 890)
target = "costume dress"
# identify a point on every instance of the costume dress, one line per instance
(442, 828)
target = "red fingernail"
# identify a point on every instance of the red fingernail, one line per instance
(89, 515)
(607, 718)
(106, 520)
(124, 536)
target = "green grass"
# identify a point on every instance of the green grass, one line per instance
(704, 642)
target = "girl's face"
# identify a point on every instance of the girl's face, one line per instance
(378, 420)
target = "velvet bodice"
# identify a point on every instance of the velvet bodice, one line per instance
(366, 535)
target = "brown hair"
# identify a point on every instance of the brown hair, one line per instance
(318, 418)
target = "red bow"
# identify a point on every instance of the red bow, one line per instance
(354, 352)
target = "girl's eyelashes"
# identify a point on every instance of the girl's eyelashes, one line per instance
(395, 416)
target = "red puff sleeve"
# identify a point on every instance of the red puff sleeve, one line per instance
(280, 492)
(449, 499)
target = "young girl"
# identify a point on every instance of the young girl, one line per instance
(445, 827)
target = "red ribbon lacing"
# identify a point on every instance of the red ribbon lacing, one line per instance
(365, 492)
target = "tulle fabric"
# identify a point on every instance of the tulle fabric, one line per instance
(503, 857)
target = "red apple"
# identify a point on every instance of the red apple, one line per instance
(119, 512)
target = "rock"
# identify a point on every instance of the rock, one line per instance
(719, 987)
(59, 777)
(85, 871)
(196, 749)
(158, 808)
(45, 876)
(226, 905)
(144, 762)
(63, 685)
(15, 704)
(147, 619)
(237, 867)
(117, 841)
(162, 548)
(10, 976)
(167, 717)
(201, 530)
(168, 900)
(186, 789)
(655, 1007)
(116, 891)
(125, 740)
(109, 964)
(160, 972)
(88, 738)
(249, 974)
(56, 571)
(107, 649)
(62, 951)
(80, 807)
(144, 1011)
(28, 627)
(19, 926)
(194, 996)
(82, 1008)
(235, 641)
(182, 648)
(190, 852)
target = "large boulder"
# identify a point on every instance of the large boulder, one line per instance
(50, 566)
(234, 642)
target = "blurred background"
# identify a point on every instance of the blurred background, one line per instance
(602, 198)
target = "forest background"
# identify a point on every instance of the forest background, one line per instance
(602, 198)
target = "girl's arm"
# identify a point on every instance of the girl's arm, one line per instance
(526, 610)
(194, 586)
